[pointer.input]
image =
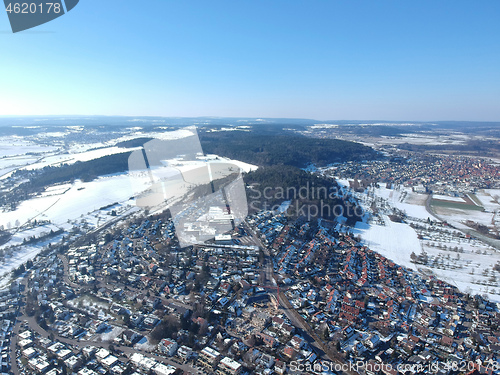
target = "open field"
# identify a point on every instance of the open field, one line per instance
(451, 255)
(454, 204)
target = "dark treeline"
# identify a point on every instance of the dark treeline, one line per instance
(86, 171)
(272, 149)
(136, 142)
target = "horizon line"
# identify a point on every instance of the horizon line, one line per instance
(248, 117)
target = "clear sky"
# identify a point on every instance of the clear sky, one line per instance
(322, 59)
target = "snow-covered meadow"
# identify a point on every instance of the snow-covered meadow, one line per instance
(448, 253)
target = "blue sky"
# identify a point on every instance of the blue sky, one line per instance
(322, 59)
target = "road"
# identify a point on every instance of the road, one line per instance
(286, 307)
(127, 350)
(33, 325)
(15, 333)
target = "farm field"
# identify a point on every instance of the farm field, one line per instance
(430, 245)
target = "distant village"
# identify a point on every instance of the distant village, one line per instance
(441, 174)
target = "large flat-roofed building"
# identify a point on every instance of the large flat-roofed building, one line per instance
(228, 366)
(223, 239)
(39, 364)
(161, 369)
(209, 357)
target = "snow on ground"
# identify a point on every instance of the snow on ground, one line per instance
(470, 271)
(457, 216)
(413, 204)
(65, 202)
(16, 161)
(465, 263)
(77, 148)
(395, 241)
(245, 167)
(448, 198)
(70, 157)
(14, 145)
(20, 257)
(20, 236)
(113, 334)
(238, 128)
(403, 198)
(26, 211)
(489, 198)
(5, 172)
(86, 197)
(79, 205)
(81, 199)
(56, 190)
(342, 182)
(166, 136)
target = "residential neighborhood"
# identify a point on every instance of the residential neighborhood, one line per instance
(133, 302)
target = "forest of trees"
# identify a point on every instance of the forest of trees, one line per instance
(86, 171)
(270, 186)
(38, 179)
(283, 149)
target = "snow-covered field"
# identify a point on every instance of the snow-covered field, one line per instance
(16, 153)
(458, 217)
(15, 161)
(75, 201)
(73, 157)
(490, 199)
(413, 204)
(402, 198)
(15, 146)
(395, 241)
(465, 263)
(451, 256)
